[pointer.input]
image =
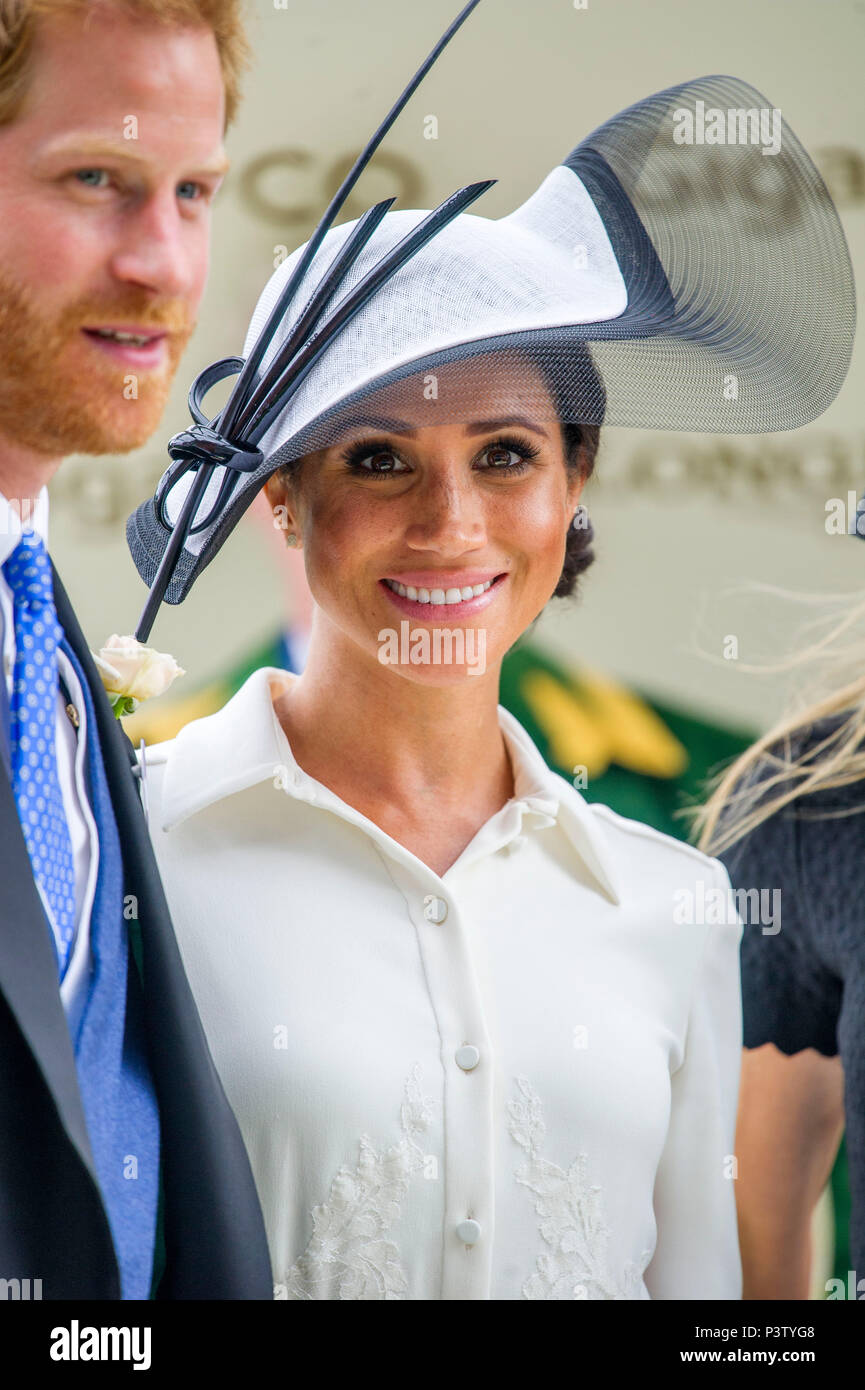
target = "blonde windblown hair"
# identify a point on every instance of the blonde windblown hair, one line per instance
(808, 750)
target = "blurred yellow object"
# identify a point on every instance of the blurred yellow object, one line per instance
(574, 735)
(594, 722)
(156, 725)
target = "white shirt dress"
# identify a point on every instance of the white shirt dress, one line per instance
(516, 1080)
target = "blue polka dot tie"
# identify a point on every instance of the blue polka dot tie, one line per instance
(33, 714)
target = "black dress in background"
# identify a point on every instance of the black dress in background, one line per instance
(804, 985)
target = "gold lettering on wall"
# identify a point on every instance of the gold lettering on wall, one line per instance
(262, 180)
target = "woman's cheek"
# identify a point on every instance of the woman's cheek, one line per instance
(330, 533)
(539, 531)
(341, 559)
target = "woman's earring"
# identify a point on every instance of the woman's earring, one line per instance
(291, 539)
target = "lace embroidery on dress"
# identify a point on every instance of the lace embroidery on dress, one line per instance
(350, 1255)
(572, 1221)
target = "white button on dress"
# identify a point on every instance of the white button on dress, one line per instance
(435, 909)
(514, 1080)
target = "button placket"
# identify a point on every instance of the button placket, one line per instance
(467, 1110)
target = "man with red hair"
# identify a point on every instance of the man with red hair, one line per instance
(122, 1170)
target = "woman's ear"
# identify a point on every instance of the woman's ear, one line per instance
(577, 480)
(277, 496)
(274, 489)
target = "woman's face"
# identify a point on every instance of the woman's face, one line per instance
(403, 515)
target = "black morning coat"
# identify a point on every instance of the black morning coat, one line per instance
(53, 1225)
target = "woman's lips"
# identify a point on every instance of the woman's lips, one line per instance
(444, 612)
(130, 354)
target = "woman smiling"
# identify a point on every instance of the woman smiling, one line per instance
(475, 1047)
(437, 511)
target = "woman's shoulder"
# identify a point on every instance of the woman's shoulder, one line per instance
(647, 862)
(630, 836)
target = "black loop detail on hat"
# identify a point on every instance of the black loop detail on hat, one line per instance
(201, 444)
(207, 378)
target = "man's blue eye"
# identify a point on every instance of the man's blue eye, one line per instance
(196, 187)
(85, 175)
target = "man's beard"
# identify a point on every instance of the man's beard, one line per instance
(59, 395)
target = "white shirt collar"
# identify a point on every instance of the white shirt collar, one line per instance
(243, 744)
(14, 521)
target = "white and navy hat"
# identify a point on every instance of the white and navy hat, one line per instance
(683, 268)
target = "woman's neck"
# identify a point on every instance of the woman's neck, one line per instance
(427, 763)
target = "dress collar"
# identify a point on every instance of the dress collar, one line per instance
(243, 744)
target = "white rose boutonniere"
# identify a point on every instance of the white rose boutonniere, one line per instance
(132, 672)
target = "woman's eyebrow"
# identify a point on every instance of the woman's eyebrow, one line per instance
(389, 426)
(482, 426)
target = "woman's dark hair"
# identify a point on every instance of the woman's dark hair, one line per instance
(581, 448)
(574, 382)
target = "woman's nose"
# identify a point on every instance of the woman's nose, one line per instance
(449, 513)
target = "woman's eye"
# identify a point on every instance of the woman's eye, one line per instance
(382, 462)
(498, 456)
